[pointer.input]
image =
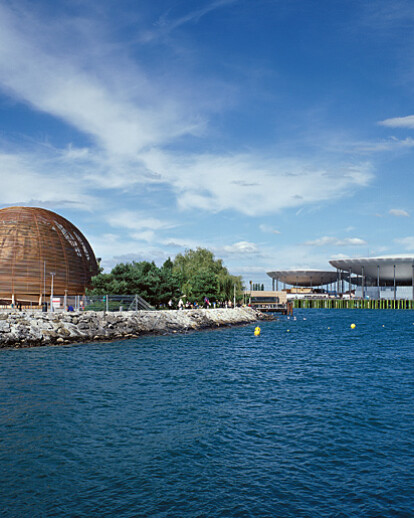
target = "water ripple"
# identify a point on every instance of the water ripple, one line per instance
(317, 422)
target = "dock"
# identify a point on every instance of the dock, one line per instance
(352, 304)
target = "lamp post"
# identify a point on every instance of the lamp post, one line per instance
(44, 282)
(52, 274)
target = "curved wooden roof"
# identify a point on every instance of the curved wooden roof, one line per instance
(35, 243)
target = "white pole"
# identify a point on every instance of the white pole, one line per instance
(44, 281)
(51, 292)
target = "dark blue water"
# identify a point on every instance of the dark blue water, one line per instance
(307, 422)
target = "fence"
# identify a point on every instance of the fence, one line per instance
(87, 303)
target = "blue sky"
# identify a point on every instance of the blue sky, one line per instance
(278, 134)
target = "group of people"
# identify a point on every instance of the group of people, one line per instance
(195, 305)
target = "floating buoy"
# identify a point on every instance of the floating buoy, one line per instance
(353, 326)
(257, 331)
(287, 330)
(329, 328)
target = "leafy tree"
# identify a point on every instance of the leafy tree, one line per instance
(169, 288)
(201, 275)
(155, 285)
(196, 274)
(203, 284)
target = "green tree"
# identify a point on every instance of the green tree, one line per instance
(196, 274)
(201, 275)
(155, 285)
(169, 288)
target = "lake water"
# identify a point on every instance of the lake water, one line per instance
(311, 418)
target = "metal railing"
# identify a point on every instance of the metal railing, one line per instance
(112, 303)
(108, 303)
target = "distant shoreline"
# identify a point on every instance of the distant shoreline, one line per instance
(33, 329)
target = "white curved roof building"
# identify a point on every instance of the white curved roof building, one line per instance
(305, 278)
(382, 270)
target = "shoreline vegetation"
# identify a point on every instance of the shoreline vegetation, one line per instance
(34, 328)
(192, 278)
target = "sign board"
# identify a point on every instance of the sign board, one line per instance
(56, 302)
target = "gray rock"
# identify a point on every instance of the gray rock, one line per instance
(36, 328)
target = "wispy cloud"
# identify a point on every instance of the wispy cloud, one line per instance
(333, 241)
(122, 116)
(399, 213)
(241, 247)
(24, 180)
(264, 227)
(399, 122)
(387, 17)
(166, 23)
(182, 243)
(145, 235)
(278, 184)
(406, 242)
(137, 220)
(114, 249)
(389, 144)
(131, 119)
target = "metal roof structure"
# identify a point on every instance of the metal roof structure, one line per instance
(381, 270)
(305, 278)
(38, 247)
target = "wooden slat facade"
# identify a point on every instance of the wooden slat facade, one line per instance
(36, 242)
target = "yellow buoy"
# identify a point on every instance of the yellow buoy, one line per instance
(257, 331)
(353, 326)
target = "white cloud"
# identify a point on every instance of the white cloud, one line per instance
(406, 242)
(251, 269)
(136, 220)
(333, 241)
(399, 212)
(241, 247)
(26, 179)
(390, 144)
(146, 235)
(399, 122)
(381, 249)
(183, 243)
(268, 229)
(113, 249)
(220, 182)
(295, 257)
(130, 118)
(165, 25)
(351, 241)
(123, 115)
(339, 256)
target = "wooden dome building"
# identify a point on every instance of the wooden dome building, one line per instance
(39, 248)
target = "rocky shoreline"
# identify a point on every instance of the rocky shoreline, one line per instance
(32, 328)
